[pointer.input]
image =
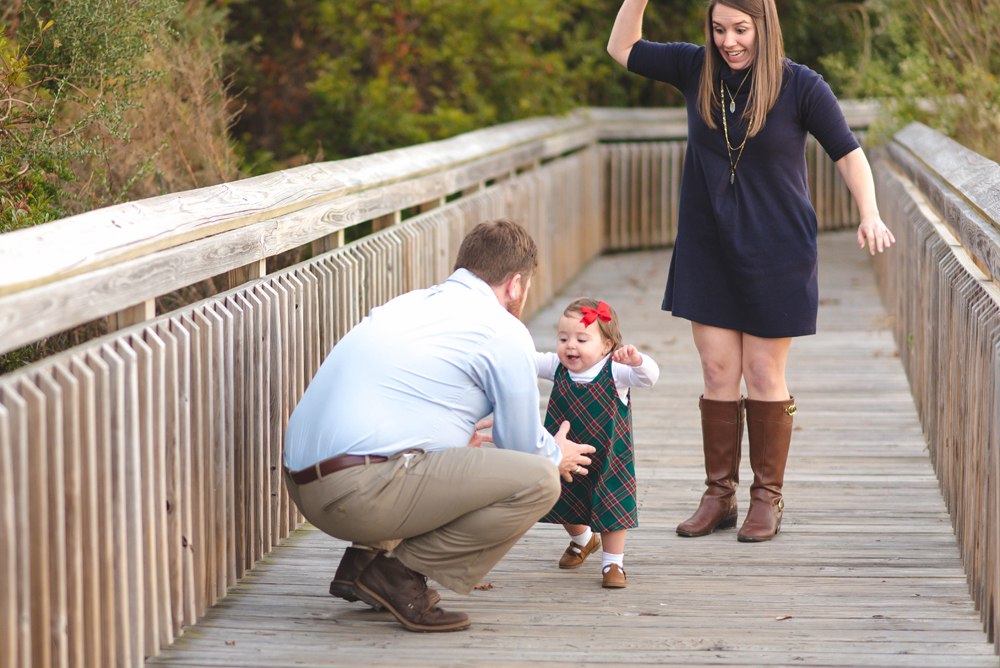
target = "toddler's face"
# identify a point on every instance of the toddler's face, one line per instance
(579, 347)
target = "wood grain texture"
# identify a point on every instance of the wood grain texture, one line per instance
(866, 570)
(102, 262)
(947, 323)
(175, 426)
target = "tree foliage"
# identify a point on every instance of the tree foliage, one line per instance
(935, 61)
(335, 79)
(109, 100)
(330, 79)
(68, 75)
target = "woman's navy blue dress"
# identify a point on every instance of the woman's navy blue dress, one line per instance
(745, 254)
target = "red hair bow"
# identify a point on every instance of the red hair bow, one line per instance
(603, 311)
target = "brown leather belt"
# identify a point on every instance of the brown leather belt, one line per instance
(332, 465)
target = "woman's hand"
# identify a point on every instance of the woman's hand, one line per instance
(627, 355)
(478, 439)
(872, 231)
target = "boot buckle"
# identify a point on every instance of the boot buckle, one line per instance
(790, 410)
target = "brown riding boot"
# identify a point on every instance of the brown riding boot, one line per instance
(722, 436)
(404, 593)
(769, 426)
(351, 564)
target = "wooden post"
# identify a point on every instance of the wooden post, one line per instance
(328, 243)
(388, 220)
(133, 315)
(433, 204)
(246, 273)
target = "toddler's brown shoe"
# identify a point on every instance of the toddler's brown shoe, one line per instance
(574, 556)
(614, 577)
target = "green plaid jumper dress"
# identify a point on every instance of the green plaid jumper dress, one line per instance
(604, 499)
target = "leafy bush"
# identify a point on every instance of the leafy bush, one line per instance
(934, 61)
(107, 101)
(69, 72)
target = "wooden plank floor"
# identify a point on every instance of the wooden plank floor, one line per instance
(865, 572)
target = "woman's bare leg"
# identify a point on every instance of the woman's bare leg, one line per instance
(721, 353)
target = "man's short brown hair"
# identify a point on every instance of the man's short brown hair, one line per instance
(496, 250)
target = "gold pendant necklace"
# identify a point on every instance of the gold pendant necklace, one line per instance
(732, 103)
(723, 89)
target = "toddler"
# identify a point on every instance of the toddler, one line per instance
(592, 372)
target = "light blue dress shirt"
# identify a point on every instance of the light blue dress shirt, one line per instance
(419, 372)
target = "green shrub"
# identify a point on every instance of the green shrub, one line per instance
(933, 61)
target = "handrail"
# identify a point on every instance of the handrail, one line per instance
(140, 472)
(940, 284)
(69, 272)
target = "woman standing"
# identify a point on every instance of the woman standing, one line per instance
(744, 261)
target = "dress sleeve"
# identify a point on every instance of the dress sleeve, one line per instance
(674, 63)
(547, 364)
(822, 117)
(644, 375)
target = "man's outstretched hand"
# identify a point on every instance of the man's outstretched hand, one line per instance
(573, 454)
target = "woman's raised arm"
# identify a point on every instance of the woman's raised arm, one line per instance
(627, 30)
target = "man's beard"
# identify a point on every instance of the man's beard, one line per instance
(515, 307)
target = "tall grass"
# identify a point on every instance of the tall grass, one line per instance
(933, 61)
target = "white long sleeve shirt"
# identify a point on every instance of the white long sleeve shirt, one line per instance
(644, 375)
(419, 372)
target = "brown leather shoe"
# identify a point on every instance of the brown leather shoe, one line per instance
(574, 556)
(405, 594)
(614, 577)
(351, 564)
(722, 436)
(769, 426)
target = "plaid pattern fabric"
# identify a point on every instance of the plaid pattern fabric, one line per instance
(605, 498)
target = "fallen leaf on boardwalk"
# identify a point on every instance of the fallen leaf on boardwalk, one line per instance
(783, 618)
(485, 586)
(231, 643)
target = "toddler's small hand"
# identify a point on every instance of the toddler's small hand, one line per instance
(627, 355)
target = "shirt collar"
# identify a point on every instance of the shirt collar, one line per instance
(473, 282)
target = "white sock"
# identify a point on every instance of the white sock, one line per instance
(608, 558)
(583, 538)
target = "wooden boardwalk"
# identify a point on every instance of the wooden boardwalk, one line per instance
(865, 572)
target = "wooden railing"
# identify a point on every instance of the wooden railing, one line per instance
(139, 473)
(943, 203)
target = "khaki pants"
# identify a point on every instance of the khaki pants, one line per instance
(455, 512)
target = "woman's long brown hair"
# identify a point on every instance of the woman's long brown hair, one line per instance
(768, 63)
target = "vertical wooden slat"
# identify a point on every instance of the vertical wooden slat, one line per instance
(95, 611)
(130, 449)
(147, 477)
(187, 431)
(226, 360)
(170, 455)
(38, 537)
(238, 462)
(75, 508)
(17, 410)
(200, 410)
(55, 475)
(217, 457)
(254, 424)
(277, 389)
(158, 404)
(9, 537)
(114, 609)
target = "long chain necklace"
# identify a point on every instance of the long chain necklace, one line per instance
(723, 89)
